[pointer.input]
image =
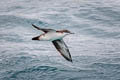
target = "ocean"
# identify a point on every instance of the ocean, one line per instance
(95, 46)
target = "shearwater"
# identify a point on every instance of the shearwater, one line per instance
(56, 37)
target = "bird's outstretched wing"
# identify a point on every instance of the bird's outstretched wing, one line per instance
(62, 48)
(42, 29)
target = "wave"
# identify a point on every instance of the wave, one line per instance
(13, 20)
(33, 71)
(39, 69)
(106, 66)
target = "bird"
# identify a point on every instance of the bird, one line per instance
(56, 37)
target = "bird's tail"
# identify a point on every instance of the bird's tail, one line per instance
(35, 38)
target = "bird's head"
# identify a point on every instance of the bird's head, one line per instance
(66, 32)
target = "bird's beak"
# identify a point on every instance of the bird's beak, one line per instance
(72, 33)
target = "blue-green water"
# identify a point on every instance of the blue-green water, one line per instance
(95, 46)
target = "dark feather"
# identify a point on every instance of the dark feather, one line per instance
(62, 48)
(42, 29)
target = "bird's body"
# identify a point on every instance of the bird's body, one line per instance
(50, 36)
(56, 38)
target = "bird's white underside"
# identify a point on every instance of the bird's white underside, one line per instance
(50, 36)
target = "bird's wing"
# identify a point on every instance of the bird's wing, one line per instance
(62, 48)
(42, 29)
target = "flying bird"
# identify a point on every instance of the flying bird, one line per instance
(56, 37)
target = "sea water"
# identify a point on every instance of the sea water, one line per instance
(95, 46)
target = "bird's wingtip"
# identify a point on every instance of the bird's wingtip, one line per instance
(33, 25)
(71, 60)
